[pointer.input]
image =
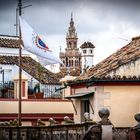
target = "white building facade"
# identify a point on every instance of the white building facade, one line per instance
(87, 49)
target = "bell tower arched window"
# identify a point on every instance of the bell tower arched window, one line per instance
(66, 62)
(71, 63)
(91, 51)
(84, 51)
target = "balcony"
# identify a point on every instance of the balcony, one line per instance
(45, 91)
(7, 89)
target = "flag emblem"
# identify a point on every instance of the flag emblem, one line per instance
(40, 44)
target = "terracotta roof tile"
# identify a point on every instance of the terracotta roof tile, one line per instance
(101, 79)
(33, 68)
(126, 54)
(63, 72)
(87, 45)
(9, 42)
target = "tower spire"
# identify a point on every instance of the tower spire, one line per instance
(71, 37)
(71, 21)
(71, 30)
(71, 16)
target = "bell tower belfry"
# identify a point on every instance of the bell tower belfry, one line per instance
(71, 37)
(72, 56)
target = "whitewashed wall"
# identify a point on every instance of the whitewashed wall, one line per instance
(13, 52)
(88, 57)
(11, 70)
(130, 69)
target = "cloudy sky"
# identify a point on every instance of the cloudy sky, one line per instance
(108, 24)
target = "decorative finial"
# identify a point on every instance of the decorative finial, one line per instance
(68, 120)
(71, 16)
(104, 114)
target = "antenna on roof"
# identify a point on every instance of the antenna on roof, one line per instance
(71, 15)
(123, 39)
(17, 10)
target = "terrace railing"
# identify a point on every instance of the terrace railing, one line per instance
(84, 131)
(50, 91)
(55, 132)
(7, 90)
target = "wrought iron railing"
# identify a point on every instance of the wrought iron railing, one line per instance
(7, 90)
(50, 91)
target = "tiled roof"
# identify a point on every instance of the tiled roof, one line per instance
(9, 41)
(117, 77)
(110, 79)
(87, 45)
(126, 54)
(63, 72)
(33, 68)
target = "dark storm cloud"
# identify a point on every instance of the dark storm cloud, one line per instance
(53, 16)
(7, 4)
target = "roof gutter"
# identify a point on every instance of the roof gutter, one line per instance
(92, 81)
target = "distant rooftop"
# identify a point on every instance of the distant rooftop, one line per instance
(87, 45)
(9, 41)
(33, 68)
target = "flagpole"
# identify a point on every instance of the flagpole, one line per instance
(20, 70)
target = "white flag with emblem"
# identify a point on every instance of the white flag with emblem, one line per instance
(34, 44)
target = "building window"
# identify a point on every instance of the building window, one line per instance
(72, 63)
(63, 62)
(75, 63)
(67, 62)
(84, 51)
(91, 51)
(84, 108)
(70, 44)
(79, 61)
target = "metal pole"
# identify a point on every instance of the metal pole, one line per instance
(3, 78)
(16, 21)
(16, 25)
(20, 70)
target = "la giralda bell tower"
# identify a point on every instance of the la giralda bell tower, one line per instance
(71, 57)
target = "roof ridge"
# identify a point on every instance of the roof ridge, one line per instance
(135, 38)
(9, 42)
(8, 35)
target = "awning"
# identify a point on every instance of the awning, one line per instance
(80, 95)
